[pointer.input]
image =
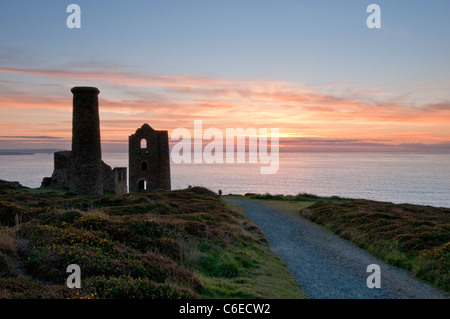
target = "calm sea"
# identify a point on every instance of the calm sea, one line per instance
(395, 177)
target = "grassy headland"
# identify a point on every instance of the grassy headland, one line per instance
(413, 237)
(154, 244)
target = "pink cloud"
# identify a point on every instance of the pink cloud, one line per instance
(294, 108)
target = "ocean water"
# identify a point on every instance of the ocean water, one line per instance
(395, 177)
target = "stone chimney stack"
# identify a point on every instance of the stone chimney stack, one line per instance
(86, 173)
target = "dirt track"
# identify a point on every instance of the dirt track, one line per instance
(326, 266)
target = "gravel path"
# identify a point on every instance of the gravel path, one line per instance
(326, 266)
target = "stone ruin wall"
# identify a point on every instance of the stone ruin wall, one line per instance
(149, 159)
(113, 180)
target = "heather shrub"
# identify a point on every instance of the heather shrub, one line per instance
(126, 287)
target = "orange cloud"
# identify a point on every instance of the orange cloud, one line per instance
(171, 101)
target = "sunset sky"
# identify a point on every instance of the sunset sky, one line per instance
(311, 68)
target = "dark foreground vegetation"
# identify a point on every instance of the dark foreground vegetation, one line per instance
(413, 237)
(153, 244)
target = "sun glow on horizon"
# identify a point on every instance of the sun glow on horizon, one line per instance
(306, 117)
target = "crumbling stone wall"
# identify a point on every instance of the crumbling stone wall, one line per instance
(149, 161)
(120, 180)
(61, 171)
(113, 180)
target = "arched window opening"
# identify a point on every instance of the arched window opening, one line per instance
(142, 184)
(144, 143)
(144, 165)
